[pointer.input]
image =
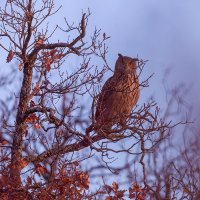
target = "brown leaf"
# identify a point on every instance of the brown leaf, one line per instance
(115, 186)
(58, 56)
(186, 190)
(10, 56)
(48, 67)
(23, 163)
(136, 187)
(36, 126)
(66, 180)
(41, 170)
(20, 66)
(84, 180)
(141, 197)
(52, 52)
(132, 195)
(3, 141)
(36, 89)
(48, 63)
(44, 195)
(32, 118)
(76, 163)
(62, 172)
(120, 194)
(40, 41)
(4, 179)
(108, 189)
(29, 180)
(109, 198)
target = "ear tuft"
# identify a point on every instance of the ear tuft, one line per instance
(120, 55)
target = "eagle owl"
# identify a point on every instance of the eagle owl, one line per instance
(119, 95)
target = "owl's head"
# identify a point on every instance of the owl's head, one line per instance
(125, 64)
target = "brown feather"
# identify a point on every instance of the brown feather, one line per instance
(119, 94)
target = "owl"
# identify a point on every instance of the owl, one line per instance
(119, 95)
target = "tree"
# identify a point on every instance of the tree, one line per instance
(43, 124)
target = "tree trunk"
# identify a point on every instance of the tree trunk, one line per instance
(16, 154)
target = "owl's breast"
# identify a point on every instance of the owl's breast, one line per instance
(118, 96)
(131, 90)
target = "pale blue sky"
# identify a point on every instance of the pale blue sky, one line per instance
(167, 33)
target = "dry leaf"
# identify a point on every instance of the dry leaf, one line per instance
(136, 187)
(29, 180)
(20, 66)
(132, 195)
(23, 163)
(84, 180)
(32, 118)
(36, 126)
(76, 163)
(40, 41)
(186, 190)
(58, 56)
(41, 170)
(10, 56)
(115, 186)
(47, 63)
(48, 67)
(3, 142)
(66, 180)
(52, 52)
(36, 89)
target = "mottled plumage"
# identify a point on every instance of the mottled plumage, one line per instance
(119, 94)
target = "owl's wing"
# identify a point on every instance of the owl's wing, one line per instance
(107, 92)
